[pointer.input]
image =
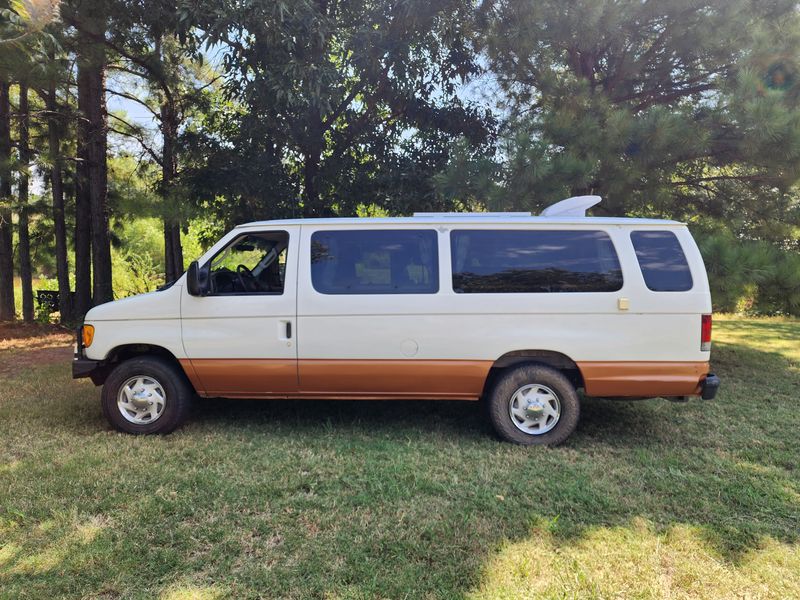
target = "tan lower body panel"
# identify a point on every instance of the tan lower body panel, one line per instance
(643, 378)
(430, 379)
(338, 379)
(396, 378)
(242, 377)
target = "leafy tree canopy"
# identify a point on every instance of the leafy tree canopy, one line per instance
(341, 102)
(676, 108)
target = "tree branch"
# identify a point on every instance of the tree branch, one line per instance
(133, 99)
(698, 180)
(134, 133)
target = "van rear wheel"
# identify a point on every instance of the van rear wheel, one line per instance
(534, 405)
(146, 394)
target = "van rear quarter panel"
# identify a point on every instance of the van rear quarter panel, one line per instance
(657, 339)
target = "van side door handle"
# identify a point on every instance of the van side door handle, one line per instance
(288, 330)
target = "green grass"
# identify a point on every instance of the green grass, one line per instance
(649, 499)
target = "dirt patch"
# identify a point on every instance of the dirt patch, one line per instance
(26, 346)
(15, 336)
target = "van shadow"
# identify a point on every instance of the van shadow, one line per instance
(374, 417)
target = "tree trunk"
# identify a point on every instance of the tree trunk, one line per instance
(83, 228)
(311, 201)
(314, 141)
(93, 137)
(23, 232)
(173, 251)
(57, 188)
(7, 308)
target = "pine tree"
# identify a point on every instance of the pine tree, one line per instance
(660, 107)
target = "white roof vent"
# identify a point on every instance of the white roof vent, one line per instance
(571, 207)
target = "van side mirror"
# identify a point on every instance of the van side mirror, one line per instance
(197, 280)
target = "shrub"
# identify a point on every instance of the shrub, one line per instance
(134, 273)
(780, 292)
(750, 276)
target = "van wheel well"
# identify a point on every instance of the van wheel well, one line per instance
(122, 353)
(556, 360)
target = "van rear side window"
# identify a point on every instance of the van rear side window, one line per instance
(391, 261)
(533, 261)
(662, 261)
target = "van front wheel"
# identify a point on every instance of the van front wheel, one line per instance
(144, 395)
(534, 404)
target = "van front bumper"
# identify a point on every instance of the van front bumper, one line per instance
(710, 387)
(84, 367)
(96, 370)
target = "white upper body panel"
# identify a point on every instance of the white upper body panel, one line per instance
(657, 326)
(152, 318)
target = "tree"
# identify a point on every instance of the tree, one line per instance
(7, 309)
(22, 28)
(331, 90)
(55, 129)
(90, 20)
(654, 105)
(23, 232)
(175, 80)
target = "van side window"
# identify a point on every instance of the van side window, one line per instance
(392, 261)
(533, 261)
(662, 261)
(253, 263)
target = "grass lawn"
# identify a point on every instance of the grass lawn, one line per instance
(648, 499)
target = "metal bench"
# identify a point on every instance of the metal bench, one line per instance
(49, 299)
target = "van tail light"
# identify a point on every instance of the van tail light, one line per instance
(705, 333)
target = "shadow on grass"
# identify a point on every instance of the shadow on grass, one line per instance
(410, 498)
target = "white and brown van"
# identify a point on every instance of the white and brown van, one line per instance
(522, 311)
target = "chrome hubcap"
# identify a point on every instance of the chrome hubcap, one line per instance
(534, 409)
(141, 399)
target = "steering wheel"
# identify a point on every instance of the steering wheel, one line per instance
(247, 280)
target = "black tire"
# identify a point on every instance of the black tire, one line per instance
(510, 382)
(177, 393)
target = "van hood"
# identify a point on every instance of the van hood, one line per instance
(165, 304)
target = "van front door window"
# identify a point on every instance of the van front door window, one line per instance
(252, 264)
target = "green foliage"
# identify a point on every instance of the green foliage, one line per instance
(779, 293)
(193, 244)
(134, 273)
(670, 108)
(142, 237)
(750, 276)
(329, 106)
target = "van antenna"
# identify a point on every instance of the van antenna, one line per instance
(571, 207)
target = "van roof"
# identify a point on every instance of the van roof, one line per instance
(570, 211)
(470, 218)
